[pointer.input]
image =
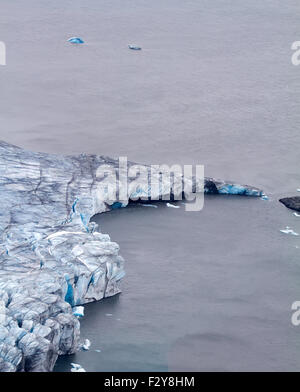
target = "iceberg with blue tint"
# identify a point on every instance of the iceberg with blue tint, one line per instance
(75, 40)
(264, 197)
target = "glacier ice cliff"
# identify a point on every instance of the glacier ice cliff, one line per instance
(52, 259)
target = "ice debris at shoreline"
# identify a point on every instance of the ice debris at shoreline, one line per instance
(76, 368)
(148, 205)
(288, 230)
(78, 311)
(52, 258)
(86, 345)
(172, 205)
(75, 40)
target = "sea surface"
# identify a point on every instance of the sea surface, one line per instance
(212, 85)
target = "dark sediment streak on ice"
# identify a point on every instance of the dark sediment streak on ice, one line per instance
(51, 258)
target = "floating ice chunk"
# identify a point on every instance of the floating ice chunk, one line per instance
(78, 311)
(76, 40)
(264, 197)
(86, 345)
(108, 314)
(132, 47)
(298, 190)
(75, 365)
(296, 214)
(98, 351)
(148, 205)
(172, 205)
(77, 368)
(288, 230)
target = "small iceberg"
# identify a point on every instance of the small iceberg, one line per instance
(298, 190)
(76, 368)
(76, 40)
(288, 230)
(108, 314)
(172, 205)
(86, 345)
(132, 47)
(148, 205)
(98, 351)
(296, 214)
(78, 311)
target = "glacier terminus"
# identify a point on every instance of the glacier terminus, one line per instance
(52, 258)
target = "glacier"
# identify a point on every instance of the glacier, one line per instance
(52, 258)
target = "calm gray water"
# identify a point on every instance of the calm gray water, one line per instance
(213, 85)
